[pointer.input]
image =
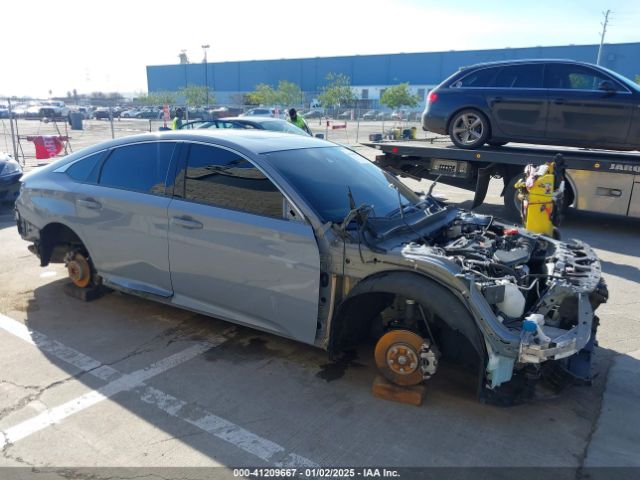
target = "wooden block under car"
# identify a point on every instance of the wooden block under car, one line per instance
(413, 395)
(85, 294)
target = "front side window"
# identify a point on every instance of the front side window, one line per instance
(479, 78)
(576, 77)
(141, 167)
(520, 76)
(222, 178)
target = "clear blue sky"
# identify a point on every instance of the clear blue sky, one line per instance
(87, 45)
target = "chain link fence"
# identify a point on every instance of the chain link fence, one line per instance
(348, 126)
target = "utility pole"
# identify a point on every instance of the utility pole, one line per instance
(604, 31)
(206, 73)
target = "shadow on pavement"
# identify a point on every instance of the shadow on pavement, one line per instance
(281, 390)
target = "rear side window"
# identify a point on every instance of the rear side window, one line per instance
(142, 167)
(221, 178)
(479, 78)
(85, 169)
(520, 76)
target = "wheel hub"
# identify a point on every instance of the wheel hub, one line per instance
(79, 270)
(399, 357)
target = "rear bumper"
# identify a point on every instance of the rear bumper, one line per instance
(432, 122)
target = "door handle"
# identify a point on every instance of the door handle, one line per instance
(187, 222)
(89, 203)
(496, 100)
(559, 101)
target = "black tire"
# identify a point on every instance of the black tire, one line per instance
(469, 129)
(497, 144)
(512, 204)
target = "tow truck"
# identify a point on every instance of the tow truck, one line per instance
(597, 180)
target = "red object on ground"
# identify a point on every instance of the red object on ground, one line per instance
(336, 127)
(47, 146)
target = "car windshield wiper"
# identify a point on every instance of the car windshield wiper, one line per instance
(409, 207)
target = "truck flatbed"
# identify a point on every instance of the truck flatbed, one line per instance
(598, 180)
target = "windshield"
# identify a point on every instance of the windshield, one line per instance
(632, 85)
(323, 176)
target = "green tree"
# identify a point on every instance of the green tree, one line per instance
(637, 79)
(263, 95)
(288, 93)
(399, 96)
(196, 95)
(337, 92)
(161, 98)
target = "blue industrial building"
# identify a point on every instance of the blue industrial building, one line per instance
(370, 74)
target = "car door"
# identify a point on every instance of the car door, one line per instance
(583, 113)
(123, 217)
(233, 252)
(518, 102)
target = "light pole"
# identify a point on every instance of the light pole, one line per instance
(603, 33)
(206, 73)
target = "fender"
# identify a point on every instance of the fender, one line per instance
(426, 291)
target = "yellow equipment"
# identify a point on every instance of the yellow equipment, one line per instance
(541, 194)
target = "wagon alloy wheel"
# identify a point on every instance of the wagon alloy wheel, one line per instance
(469, 129)
(79, 270)
(397, 357)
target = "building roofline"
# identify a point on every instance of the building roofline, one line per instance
(593, 45)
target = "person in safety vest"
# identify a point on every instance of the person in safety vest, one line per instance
(298, 121)
(176, 123)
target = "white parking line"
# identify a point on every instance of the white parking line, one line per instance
(197, 416)
(224, 429)
(125, 382)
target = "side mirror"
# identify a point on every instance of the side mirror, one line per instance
(607, 86)
(320, 136)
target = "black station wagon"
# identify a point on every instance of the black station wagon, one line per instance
(550, 102)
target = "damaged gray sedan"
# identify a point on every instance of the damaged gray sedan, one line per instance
(309, 240)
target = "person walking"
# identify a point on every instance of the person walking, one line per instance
(176, 123)
(298, 121)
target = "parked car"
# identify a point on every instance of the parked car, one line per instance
(131, 113)
(53, 109)
(10, 174)
(34, 110)
(101, 112)
(4, 111)
(20, 110)
(261, 112)
(550, 102)
(346, 115)
(399, 115)
(150, 113)
(313, 114)
(370, 115)
(311, 241)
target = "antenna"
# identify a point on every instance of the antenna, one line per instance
(603, 33)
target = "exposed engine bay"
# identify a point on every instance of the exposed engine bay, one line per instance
(532, 296)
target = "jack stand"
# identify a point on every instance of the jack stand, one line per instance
(85, 294)
(412, 395)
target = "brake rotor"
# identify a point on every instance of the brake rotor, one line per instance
(398, 357)
(79, 270)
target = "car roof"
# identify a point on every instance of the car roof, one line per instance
(241, 140)
(524, 60)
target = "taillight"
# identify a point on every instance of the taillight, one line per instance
(432, 97)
